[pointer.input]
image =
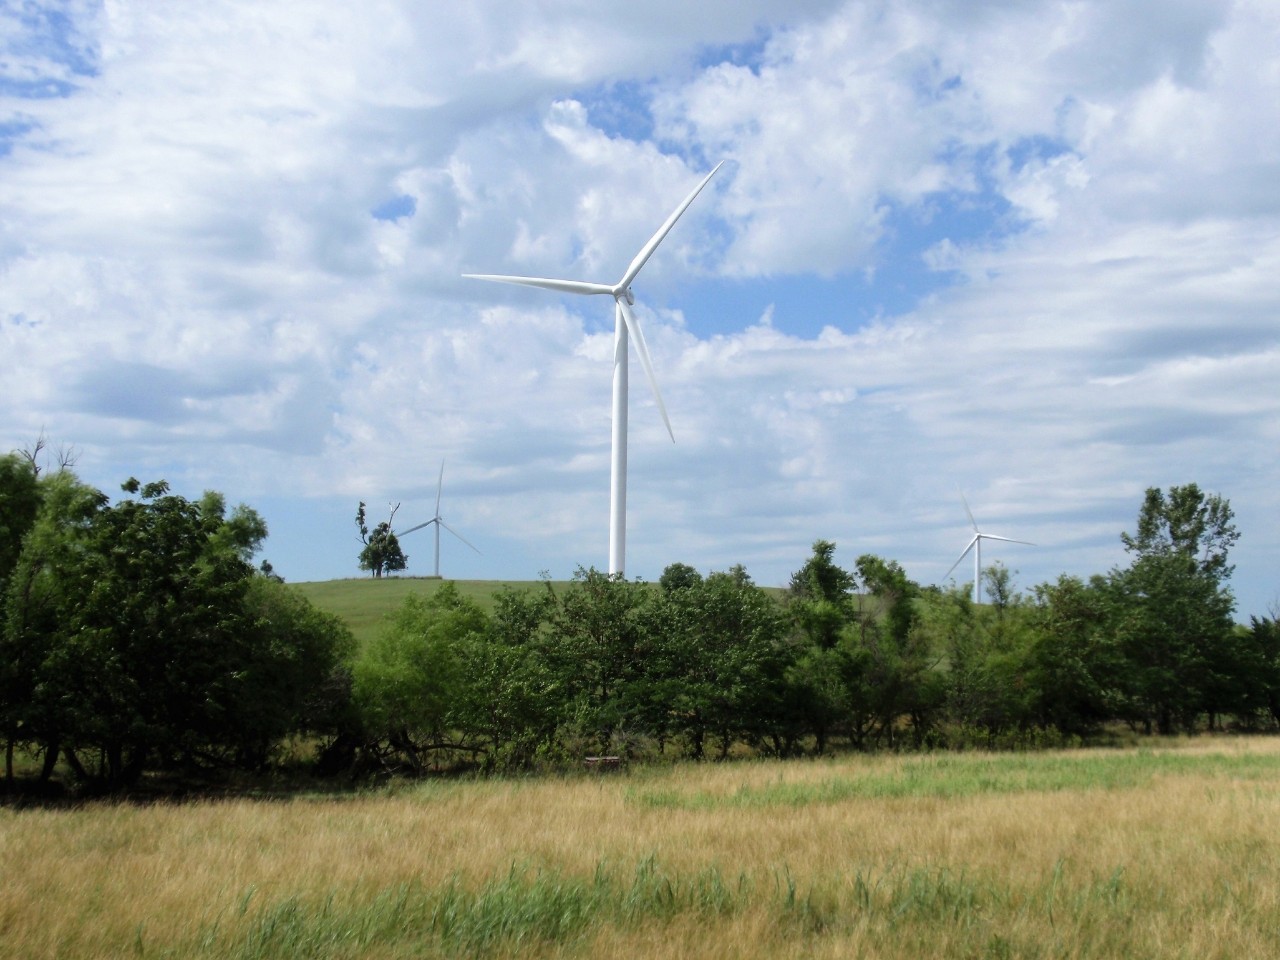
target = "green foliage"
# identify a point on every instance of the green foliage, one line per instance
(1188, 523)
(407, 682)
(514, 699)
(137, 635)
(1076, 664)
(1258, 649)
(382, 552)
(890, 662)
(45, 583)
(678, 576)
(1173, 609)
(720, 662)
(295, 674)
(820, 595)
(19, 503)
(600, 642)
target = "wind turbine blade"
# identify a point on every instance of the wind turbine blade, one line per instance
(439, 488)
(561, 286)
(418, 527)
(647, 250)
(461, 537)
(992, 536)
(633, 328)
(972, 522)
(963, 554)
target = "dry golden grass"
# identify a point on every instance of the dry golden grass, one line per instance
(745, 860)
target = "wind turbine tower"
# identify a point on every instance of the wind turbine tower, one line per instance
(975, 544)
(626, 327)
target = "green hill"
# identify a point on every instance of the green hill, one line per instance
(364, 603)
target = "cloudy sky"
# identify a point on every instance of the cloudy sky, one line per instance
(1027, 251)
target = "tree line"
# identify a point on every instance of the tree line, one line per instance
(138, 636)
(706, 666)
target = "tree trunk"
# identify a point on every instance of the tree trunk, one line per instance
(50, 761)
(74, 763)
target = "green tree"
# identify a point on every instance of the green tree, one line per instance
(1078, 669)
(36, 596)
(888, 662)
(408, 679)
(1174, 608)
(720, 662)
(295, 673)
(513, 700)
(986, 687)
(820, 596)
(382, 552)
(599, 653)
(1186, 523)
(1260, 644)
(677, 576)
(137, 635)
(19, 502)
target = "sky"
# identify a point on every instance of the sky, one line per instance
(1024, 253)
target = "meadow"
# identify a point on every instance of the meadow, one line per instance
(364, 603)
(1169, 850)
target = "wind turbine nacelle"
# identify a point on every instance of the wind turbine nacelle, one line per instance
(630, 297)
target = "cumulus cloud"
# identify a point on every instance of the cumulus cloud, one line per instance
(231, 245)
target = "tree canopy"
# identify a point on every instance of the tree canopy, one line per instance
(381, 553)
(137, 635)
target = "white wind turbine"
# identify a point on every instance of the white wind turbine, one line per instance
(625, 325)
(975, 545)
(439, 522)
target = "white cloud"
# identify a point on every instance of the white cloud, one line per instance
(196, 286)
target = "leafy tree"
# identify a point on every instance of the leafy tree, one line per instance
(36, 596)
(678, 576)
(513, 699)
(820, 596)
(407, 681)
(598, 655)
(19, 502)
(381, 551)
(1077, 667)
(1186, 523)
(817, 694)
(999, 588)
(1260, 662)
(722, 655)
(986, 679)
(887, 662)
(295, 673)
(138, 635)
(1174, 608)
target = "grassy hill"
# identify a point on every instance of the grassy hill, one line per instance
(365, 603)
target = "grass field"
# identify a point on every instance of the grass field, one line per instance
(365, 603)
(1170, 851)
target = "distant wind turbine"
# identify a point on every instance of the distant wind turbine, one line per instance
(625, 324)
(439, 522)
(975, 545)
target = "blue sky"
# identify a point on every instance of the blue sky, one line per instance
(1027, 252)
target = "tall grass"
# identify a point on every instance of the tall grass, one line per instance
(1168, 852)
